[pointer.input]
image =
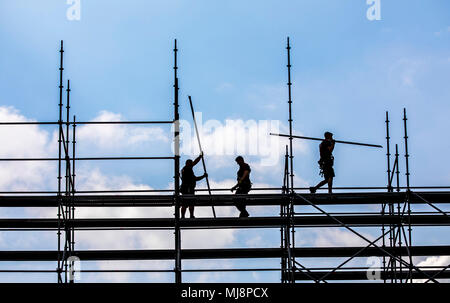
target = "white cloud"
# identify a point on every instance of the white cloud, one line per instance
(94, 179)
(113, 136)
(332, 237)
(257, 241)
(435, 261)
(20, 141)
(126, 277)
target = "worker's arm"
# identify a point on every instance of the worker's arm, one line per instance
(201, 177)
(197, 159)
(331, 147)
(244, 175)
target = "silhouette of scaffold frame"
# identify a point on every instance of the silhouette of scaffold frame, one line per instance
(395, 219)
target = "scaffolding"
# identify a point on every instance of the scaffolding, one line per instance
(395, 219)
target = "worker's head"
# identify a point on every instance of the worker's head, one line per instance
(328, 135)
(189, 163)
(239, 160)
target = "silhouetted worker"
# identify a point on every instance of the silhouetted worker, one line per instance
(188, 183)
(326, 163)
(243, 186)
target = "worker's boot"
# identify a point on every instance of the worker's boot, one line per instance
(244, 214)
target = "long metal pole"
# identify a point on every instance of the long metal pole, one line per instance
(201, 150)
(284, 245)
(67, 230)
(406, 148)
(86, 122)
(68, 178)
(397, 169)
(177, 172)
(73, 180)
(397, 172)
(291, 157)
(321, 139)
(407, 185)
(289, 84)
(388, 156)
(61, 68)
(388, 153)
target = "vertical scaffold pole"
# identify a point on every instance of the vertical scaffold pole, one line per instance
(388, 153)
(66, 208)
(406, 148)
(408, 189)
(397, 170)
(61, 68)
(291, 157)
(389, 188)
(284, 244)
(68, 174)
(73, 190)
(177, 172)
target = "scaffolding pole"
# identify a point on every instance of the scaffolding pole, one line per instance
(176, 119)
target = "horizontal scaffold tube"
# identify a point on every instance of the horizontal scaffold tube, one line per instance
(252, 222)
(363, 198)
(223, 253)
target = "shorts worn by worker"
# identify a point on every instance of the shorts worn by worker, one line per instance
(326, 167)
(188, 197)
(328, 172)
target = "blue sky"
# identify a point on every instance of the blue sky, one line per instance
(347, 71)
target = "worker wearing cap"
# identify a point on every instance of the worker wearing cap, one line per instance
(326, 163)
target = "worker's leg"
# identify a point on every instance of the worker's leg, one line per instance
(240, 202)
(330, 176)
(184, 203)
(330, 185)
(191, 211)
(183, 212)
(321, 183)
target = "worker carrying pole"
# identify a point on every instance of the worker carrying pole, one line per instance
(326, 161)
(201, 151)
(336, 141)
